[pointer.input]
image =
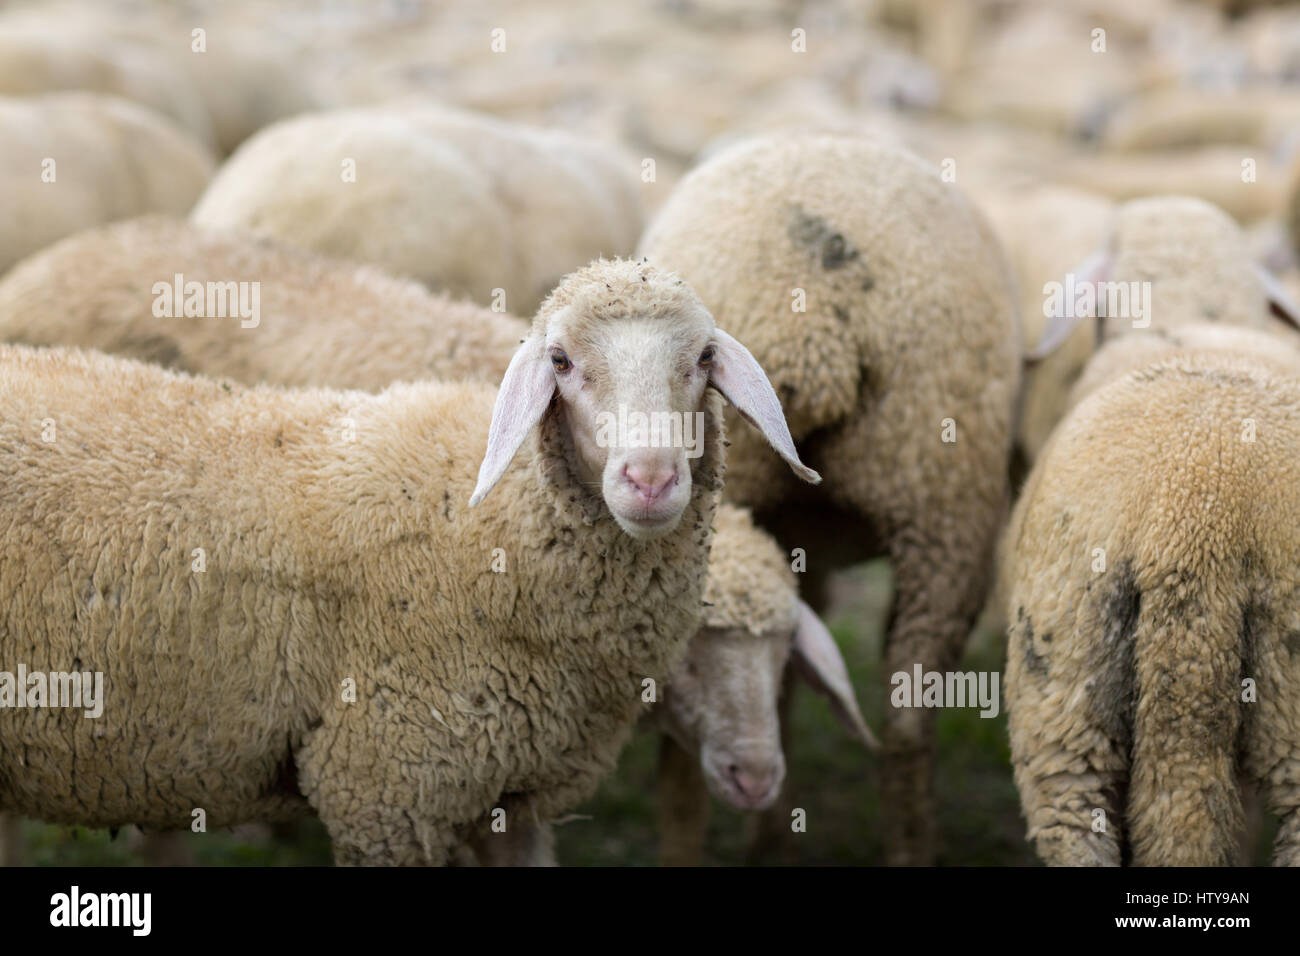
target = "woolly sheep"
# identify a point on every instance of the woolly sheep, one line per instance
(510, 690)
(1078, 223)
(74, 160)
(462, 203)
(718, 715)
(1211, 173)
(336, 324)
(1141, 571)
(909, 335)
(721, 729)
(319, 321)
(1179, 117)
(63, 58)
(1196, 261)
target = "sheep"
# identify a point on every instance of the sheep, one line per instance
(347, 645)
(463, 203)
(336, 324)
(719, 722)
(36, 60)
(909, 337)
(1216, 174)
(1195, 260)
(318, 321)
(1144, 573)
(73, 160)
(717, 718)
(1079, 223)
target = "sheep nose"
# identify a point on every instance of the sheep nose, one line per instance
(650, 481)
(753, 780)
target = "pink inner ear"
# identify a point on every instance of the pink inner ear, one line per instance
(818, 659)
(524, 394)
(742, 381)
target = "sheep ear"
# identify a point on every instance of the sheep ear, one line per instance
(817, 659)
(1280, 302)
(524, 395)
(741, 380)
(1096, 268)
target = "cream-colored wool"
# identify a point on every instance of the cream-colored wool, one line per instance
(1047, 231)
(1211, 173)
(909, 335)
(63, 57)
(1196, 264)
(111, 158)
(1146, 572)
(322, 322)
(328, 560)
(463, 203)
(416, 207)
(335, 324)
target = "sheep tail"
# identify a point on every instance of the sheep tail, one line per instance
(1184, 806)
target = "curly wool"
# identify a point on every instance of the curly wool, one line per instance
(323, 322)
(326, 561)
(1124, 681)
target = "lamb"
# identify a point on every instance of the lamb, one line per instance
(381, 672)
(336, 324)
(73, 160)
(1195, 260)
(1148, 656)
(848, 228)
(463, 203)
(718, 720)
(721, 732)
(318, 321)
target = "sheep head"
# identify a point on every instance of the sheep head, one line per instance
(626, 352)
(721, 704)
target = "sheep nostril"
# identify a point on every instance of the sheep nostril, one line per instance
(650, 483)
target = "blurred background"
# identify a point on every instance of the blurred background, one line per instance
(1117, 97)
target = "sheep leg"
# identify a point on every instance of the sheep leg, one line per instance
(340, 775)
(1071, 765)
(683, 805)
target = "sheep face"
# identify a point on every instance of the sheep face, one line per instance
(721, 705)
(626, 353)
(631, 397)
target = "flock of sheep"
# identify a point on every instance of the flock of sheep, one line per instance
(305, 388)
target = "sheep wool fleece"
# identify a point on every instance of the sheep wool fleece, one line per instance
(290, 600)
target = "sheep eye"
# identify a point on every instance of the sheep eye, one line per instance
(706, 357)
(561, 361)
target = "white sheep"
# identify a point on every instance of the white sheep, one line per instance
(878, 301)
(64, 57)
(338, 324)
(318, 621)
(1163, 262)
(74, 160)
(264, 311)
(463, 203)
(1145, 575)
